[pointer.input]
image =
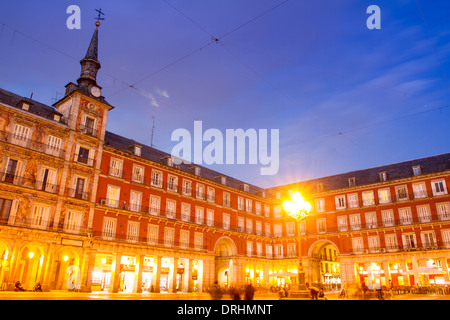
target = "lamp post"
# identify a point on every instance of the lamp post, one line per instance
(298, 208)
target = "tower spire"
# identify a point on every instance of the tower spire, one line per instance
(90, 64)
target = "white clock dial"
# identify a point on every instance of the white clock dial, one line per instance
(95, 91)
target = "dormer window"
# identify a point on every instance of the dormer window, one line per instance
(417, 170)
(25, 106)
(136, 149)
(168, 161)
(56, 117)
(383, 176)
(352, 182)
(319, 187)
(222, 179)
(245, 187)
(196, 170)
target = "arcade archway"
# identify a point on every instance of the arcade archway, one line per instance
(325, 268)
(225, 269)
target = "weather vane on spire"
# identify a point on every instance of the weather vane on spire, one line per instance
(100, 13)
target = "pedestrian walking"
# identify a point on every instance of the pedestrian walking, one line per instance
(249, 292)
(215, 291)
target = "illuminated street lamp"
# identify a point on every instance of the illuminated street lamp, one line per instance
(298, 208)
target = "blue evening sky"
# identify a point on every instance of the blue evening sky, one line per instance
(343, 97)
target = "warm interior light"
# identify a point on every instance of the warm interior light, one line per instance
(66, 258)
(30, 254)
(103, 260)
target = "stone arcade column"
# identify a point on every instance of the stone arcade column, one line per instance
(157, 288)
(189, 275)
(175, 274)
(137, 287)
(115, 273)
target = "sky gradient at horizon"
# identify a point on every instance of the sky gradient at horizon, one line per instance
(344, 97)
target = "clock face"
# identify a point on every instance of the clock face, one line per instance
(95, 91)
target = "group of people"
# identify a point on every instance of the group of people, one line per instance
(235, 293)
(18, 287)
(362, 291)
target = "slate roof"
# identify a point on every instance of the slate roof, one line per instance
(147, 152)
(36, 108)
(395, 171)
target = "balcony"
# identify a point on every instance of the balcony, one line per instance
(77, 194)
(88, 130)
(46, 225)
(28, 183)
(115, 172)
(401, 248)
(31, 144)
(84, 160)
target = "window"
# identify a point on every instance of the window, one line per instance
(152, 234)
(420, 190)
(269, 251)
(184, 238)
(391, 242)
(320, 205)
(48, 178)
(428, 239)
(439, 188)
(211, 194)
(12, 171)
(355, 221)
(405, 215)
(249, 248)
(39, 216)
(155, 205)
(226, 221)
(115, 168)
(321, 225)
(248, 205)
(374, 244)
(73, 221)
(383, 176)
(290, 229)
(446, 238)
(302, 227)
(277, 211)
(291, 250)
(357, 245)
(320, 187)
(388, 218)
(198, 241)
(443, 210)
(89, 126)
(258, 208)
(200, 194)
(138, 174)
(226, 199)
(266, 210)
(424, 213)
(187, 187)
(210, 218)
(135, 200)
(109, 228)
(169, 236)
(112, 196)
(277, 231)
(79, 188)
(258, 228)
(21, 135)
(249, 225)
(5, 209)
(267, 229)
(402, 193)
(368, 198)
(240, 203)
(133, 231)
(241, 227)
(185, 212)
(352, 182)
(199, 215)
(171, 206)
(371, 220)
(417, 170)
(384, 195)
(353, 201)
(340, 202)
(259, 249)
(53, 146)
(156, 179)
(83, 156)
(172, 183)
(342, 223)
(278, 251)
(409, 241)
